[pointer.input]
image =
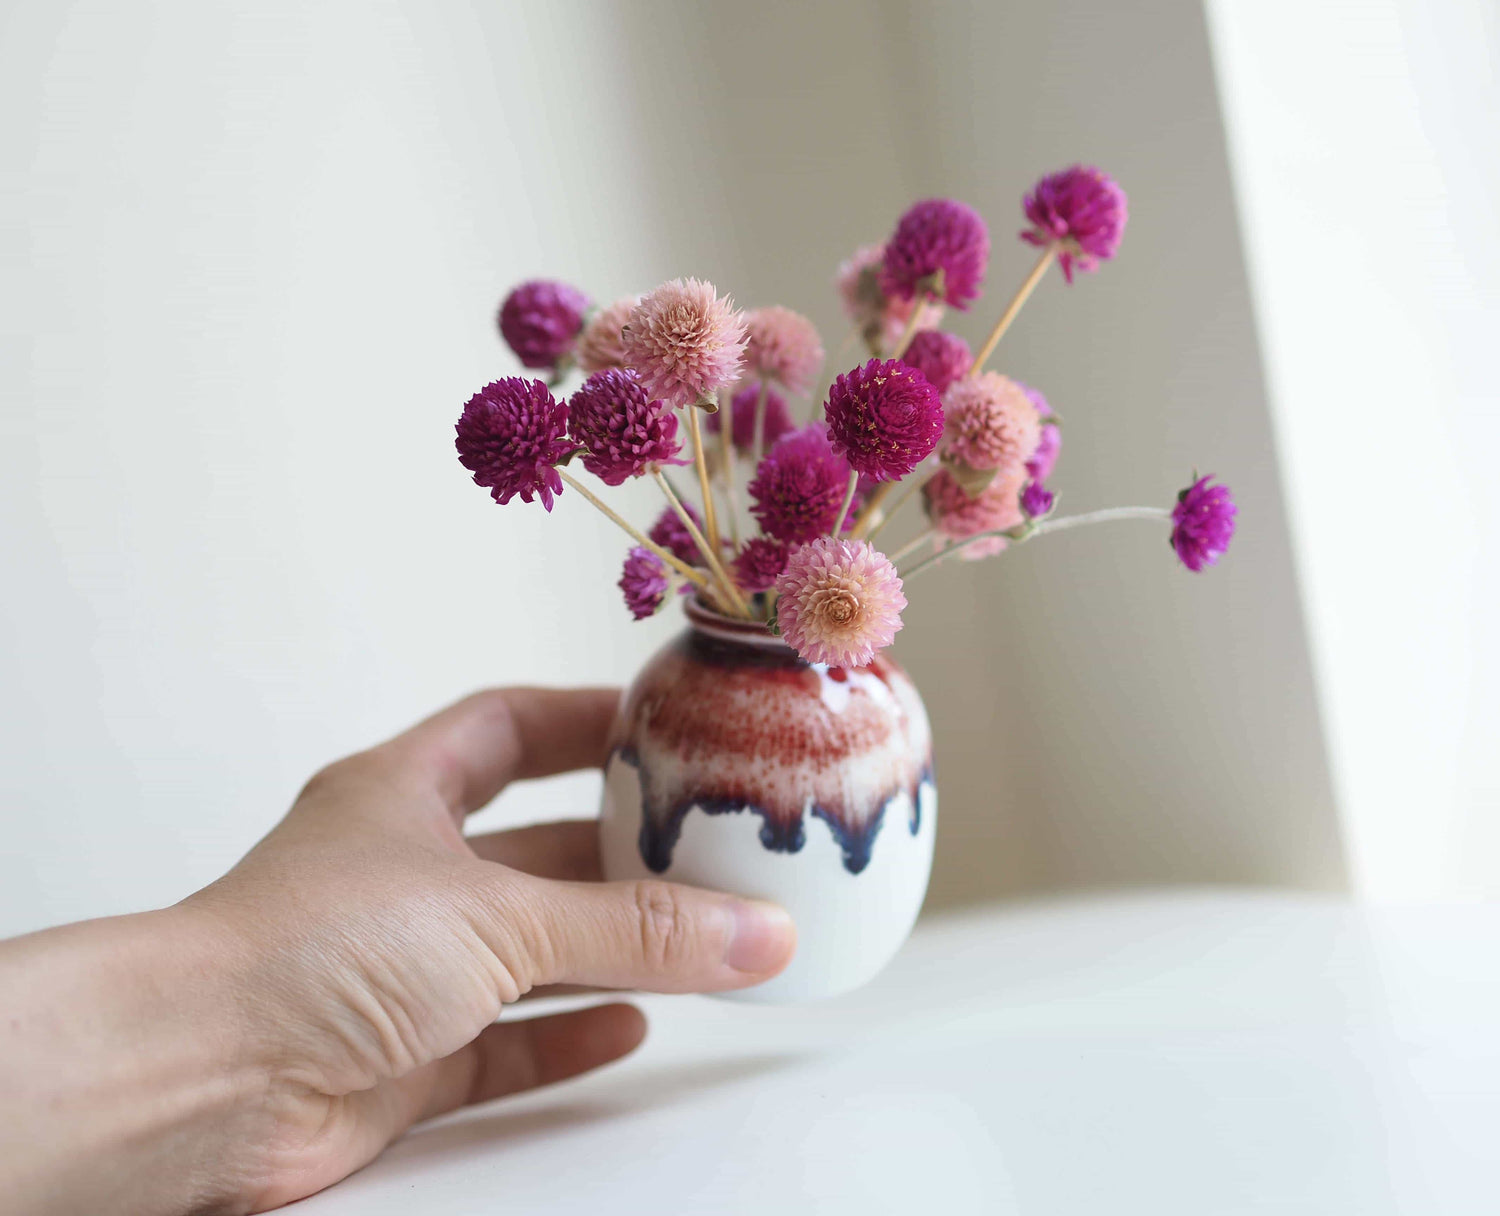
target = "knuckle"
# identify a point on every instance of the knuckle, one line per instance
(667, 928)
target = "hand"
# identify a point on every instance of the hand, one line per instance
(275, 1031)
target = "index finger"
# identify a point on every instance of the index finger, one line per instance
(473, 749)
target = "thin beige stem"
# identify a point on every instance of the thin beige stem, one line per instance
(693, 576)
(911, 546)
(1025, 532)
(710, 515)
(758, 429)
(1014, 307)
(838, 524)
(912, 323)
(725, 585)
(871, 509)
(911, 488)
(727, 466)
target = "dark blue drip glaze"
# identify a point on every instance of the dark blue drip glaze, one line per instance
(661, 831)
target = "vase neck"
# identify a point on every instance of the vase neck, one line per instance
(755, 634)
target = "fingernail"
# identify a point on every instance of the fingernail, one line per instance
(762, 937)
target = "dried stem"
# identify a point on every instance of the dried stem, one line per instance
(724, 584)
(838, 524)
(1026, 531)
(758, 429)
(726, 460)
(710, 514)
(912, 322)
(1011, 309)
(871, 508)
(911, 488)
(815, 405)
(693, 576)
(911, 546)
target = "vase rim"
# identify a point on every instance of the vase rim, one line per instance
(731, 629)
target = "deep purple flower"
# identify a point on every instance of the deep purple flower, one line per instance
(1037, 499)
(540, 320)
(776, 417)
(941, 357)
(1044, 460)
(1203, 523)
(799, 486)
(622, 431)
(1082, 207)
(672, 535)
(939, 245)
(759, 563)
(885, 417)
(644, 582)
(510, 436)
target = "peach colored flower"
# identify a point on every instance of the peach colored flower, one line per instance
(991, 423)
(784, 348)
(685, 342)
(840, 602)
(957, 516)
(600, 345)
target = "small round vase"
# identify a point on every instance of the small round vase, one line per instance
(735, 765)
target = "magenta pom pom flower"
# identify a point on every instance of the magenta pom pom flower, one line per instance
(956, 515)
(1203, 523)
(540, 320)
(759, 563)
(776, 419)
(672, 535)
(840, 602)
(1037, 500)
(622, 431)
(685, 342)
(991, 424)
(941, 357)
(644, 582)
(1084, 209)
(941, 246)
(800, 486)
(885, 417)
(1049, 446)
(601, 344)
(510, 436)
(783, 348)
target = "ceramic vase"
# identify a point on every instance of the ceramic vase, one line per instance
(737, 766)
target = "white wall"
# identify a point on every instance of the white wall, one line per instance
(1367, 165)
(251, 260)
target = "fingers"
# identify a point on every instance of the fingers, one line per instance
(567, 850)
(509, 1057)
(652, 936)
(471, 750)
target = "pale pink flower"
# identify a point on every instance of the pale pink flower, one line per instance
(784, 348)
(990, 423)
(685, 342)
(956, 515)
(839, 602)
(601, 345)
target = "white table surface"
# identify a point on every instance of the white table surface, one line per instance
(1203, 1053)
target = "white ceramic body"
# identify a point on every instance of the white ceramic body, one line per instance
(780, 780)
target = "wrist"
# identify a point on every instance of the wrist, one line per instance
(127, 1069)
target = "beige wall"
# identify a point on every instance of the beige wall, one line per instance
(255, 260)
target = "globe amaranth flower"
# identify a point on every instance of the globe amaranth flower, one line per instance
(885, 417)
(672, 535)
(1037, 500)
(540, 320)
(759, 562)
(941, 357)
(782, 348)
(881, 318)
(800, 485)
(1203, 523)
(956, 515)
(1049, 446)
(685, 342)
(510, 436)
(990, 423)
(776, 418)
(940, 246)
(644, 582)
(622, 431)
(601, 345)
(840, 602)
(1084, 209)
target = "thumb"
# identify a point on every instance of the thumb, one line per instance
(654, 936)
